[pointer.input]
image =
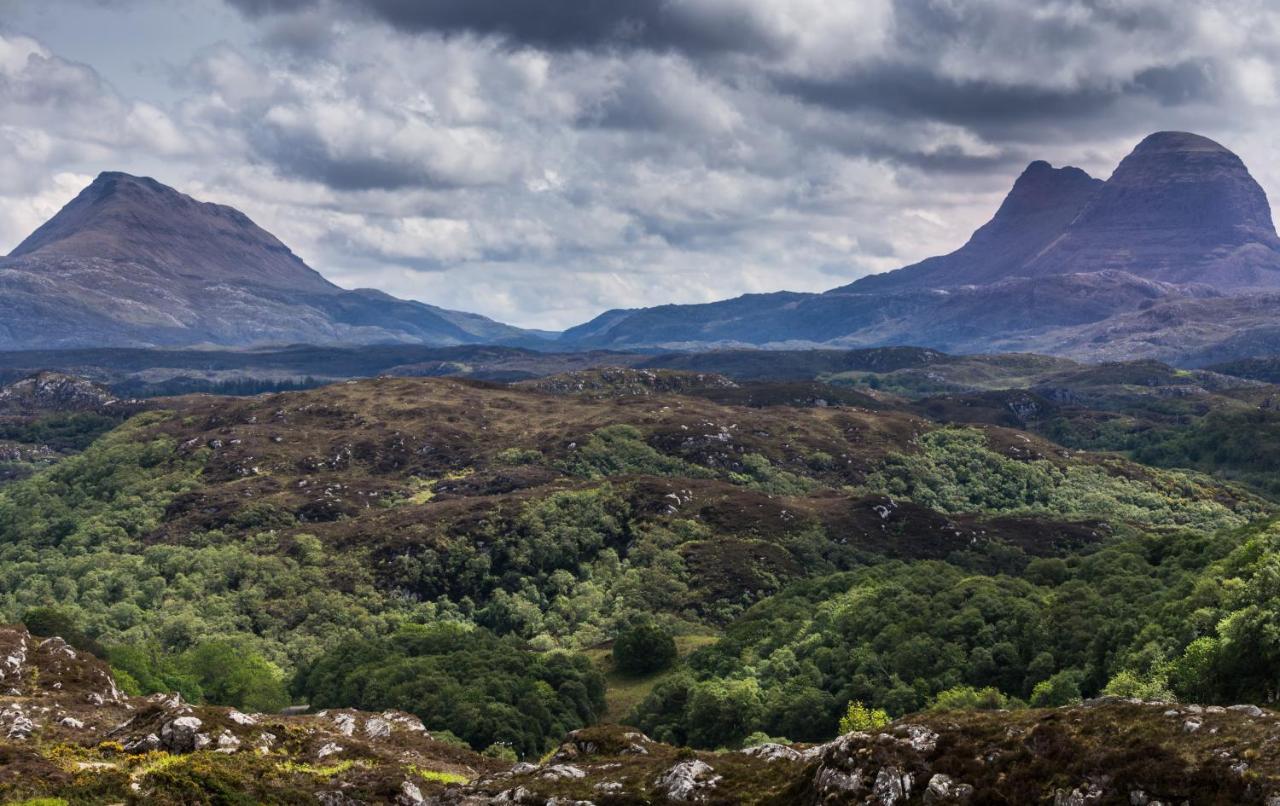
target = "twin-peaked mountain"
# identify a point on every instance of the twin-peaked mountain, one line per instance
(133, 262)
(1174, 256)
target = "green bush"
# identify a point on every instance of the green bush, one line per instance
(619, 449)
(968, 698)
(1131, 684)
(230, 674)
(956, 471)
(644, 648)
(1061, 689)
(859, 718)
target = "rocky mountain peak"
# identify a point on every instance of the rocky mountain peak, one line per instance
(1170, 141)
(1180, 208)
(1042, 202)
(1042, 187)
(1182, 182)
(131, 261)
(121, 217)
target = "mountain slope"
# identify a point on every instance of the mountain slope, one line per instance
(1177, 235)
(1042, 202)
(133, 262)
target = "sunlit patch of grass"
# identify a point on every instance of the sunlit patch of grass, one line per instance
(439, 776)
(156, 761)
(323, 772)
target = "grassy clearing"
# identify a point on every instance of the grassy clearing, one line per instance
(625, 692)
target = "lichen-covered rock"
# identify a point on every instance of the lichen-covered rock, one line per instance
(1247, 710)
(688, 781)
(345, 723)
(328, 749)
(410, 795)
(182, 735)
(771, 751)
(21, 727)
(918, 737)
(557, 772)
(943, 789)
(242, 719)
(1083, 795)
(144, 744)
(228, 742)
(891, 786)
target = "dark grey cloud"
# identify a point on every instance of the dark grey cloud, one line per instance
(914, 92)
(559, 24)
(921, 92)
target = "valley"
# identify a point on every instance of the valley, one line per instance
(906, 529)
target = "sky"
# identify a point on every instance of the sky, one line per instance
(542, 161)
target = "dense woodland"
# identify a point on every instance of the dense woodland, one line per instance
(466, 553)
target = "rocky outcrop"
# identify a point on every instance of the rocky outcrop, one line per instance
(56, 699)
(160, 749)
(56, 392)
(688, 781)
(627, 382)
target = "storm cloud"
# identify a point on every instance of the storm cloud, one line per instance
(540, 161)
(695, 26)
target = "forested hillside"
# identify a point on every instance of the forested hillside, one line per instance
(376, 543)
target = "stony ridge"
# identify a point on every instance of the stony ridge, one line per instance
(66, 730)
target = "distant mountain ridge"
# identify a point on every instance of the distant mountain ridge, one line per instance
(1175, 257)
(133, 262)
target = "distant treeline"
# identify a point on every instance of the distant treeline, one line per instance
(237, 386)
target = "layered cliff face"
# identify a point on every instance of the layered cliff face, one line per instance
(132, 262)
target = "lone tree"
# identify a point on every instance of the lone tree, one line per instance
(643, 648)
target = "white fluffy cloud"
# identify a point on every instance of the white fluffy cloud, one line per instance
(540, 166)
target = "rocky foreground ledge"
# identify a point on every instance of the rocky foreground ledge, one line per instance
(67, 732)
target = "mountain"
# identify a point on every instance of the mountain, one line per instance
(1150, 263)
(1044, 201)
(1179, 209)
(132, 262)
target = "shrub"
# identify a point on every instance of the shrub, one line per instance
(644, 648)
(858, 717)
(485, 689)
(231, 674)
(1061, 689)
(968, 698)
(502, 752)
(1130, 684)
